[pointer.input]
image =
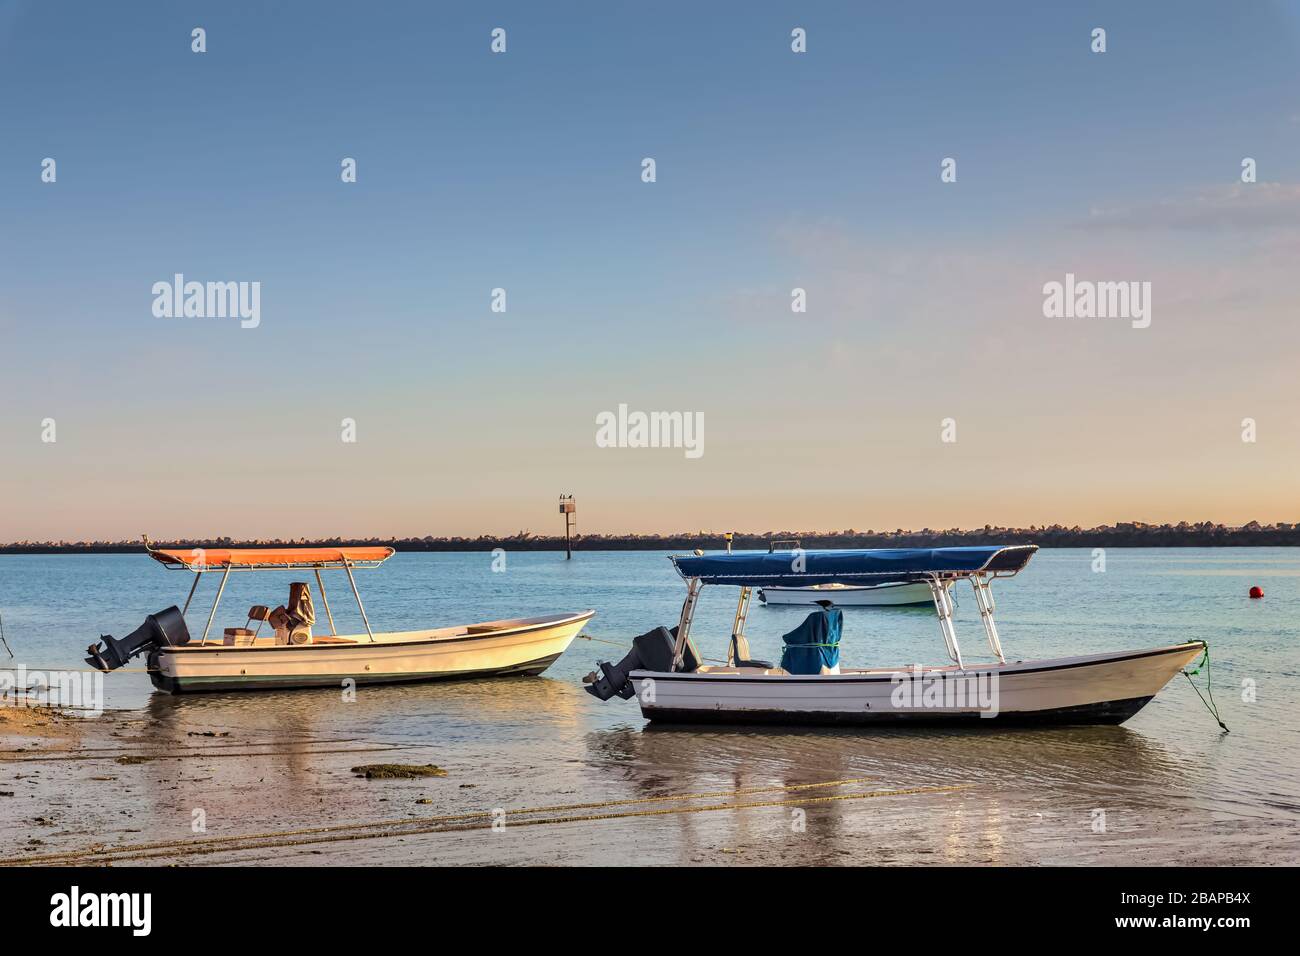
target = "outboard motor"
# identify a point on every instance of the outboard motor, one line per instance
(166, 628)
(652, 651)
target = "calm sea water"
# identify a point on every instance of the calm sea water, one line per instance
(1176, 788)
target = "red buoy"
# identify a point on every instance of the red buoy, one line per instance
(1257, 592)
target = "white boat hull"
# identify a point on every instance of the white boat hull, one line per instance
(495, 648)
(880, 595)
(1093, 689)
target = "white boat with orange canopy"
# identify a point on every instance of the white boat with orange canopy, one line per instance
(291, 654)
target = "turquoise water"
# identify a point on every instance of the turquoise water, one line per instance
(54, 605)
(1177, 785)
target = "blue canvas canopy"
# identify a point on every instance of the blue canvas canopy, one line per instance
(879, 566)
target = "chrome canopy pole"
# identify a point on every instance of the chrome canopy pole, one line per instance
(984, 600)
(943, 607)
(952, 627)
(738, 627)
(326, 601)
(684, 623)
(193, 587)
(347, 566)
(938, 610)
(213, 613)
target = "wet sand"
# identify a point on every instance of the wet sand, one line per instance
(127, 788)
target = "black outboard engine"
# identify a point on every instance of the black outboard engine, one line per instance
(158, 630)
(652, 651)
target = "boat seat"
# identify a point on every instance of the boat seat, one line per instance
(292, 623)
(740, 654)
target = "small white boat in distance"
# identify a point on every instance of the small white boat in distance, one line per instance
(290, 655)
(666, 674)
(902, 594)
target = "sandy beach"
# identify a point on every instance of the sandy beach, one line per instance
(104, 793)
(129, 788)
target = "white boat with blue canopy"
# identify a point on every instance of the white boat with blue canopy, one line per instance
(670, 680)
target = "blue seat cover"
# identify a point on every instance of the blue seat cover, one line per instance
(814, 644)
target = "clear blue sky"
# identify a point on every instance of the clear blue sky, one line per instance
(521, 170)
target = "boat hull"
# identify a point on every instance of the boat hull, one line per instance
(524, 647)
(881, 595)
(1095, 689)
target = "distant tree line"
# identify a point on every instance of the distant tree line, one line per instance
(1123, 535)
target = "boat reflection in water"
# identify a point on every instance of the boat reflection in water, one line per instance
(1021, 798)
(282, 759)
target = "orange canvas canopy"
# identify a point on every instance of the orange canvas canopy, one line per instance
(216, 559)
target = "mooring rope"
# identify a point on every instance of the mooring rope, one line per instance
(1210, 704)
(599, 640)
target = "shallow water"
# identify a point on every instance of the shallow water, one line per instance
(1172, 787)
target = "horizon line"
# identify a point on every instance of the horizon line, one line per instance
(1184, 529)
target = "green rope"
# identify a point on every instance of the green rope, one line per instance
(1210, 704)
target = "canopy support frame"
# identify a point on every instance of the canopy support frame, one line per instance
(738, 629)
(347, 566)
(684, 622)
(193, 587)
(943, 607)
(213, 613)
(984, 601)
(326, 601)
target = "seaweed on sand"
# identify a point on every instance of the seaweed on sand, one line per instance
(383, 771)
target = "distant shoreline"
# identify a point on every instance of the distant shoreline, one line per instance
(1123, 535)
